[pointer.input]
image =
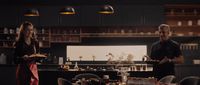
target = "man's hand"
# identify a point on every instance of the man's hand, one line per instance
(146, 58)
(164, 60)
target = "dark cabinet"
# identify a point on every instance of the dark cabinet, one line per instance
(124, 15)
(9, 16)
(89, 16)
(139, 15)
(153, 15)
(49, 16)
(131, 15)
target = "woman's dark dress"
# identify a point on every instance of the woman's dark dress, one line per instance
(27, 72)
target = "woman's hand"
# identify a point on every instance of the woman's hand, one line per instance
(26, 57)
(164, 60)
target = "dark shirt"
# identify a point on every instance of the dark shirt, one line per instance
(159, 50)
(21, 49)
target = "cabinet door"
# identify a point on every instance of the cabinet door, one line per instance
(9, 15)
(89, 16)
(153, 15)
(140, 15)
(131, 15)
(112, 19)
(49, 15)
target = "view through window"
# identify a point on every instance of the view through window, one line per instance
(102, 53)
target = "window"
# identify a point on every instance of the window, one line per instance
(102, 53)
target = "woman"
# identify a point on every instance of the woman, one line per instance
(25, 46)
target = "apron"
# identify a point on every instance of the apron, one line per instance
(27, 74)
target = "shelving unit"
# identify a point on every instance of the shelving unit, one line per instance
(65, 35)
(118, 35)
(125, 31)
(48, 35)
(43, 37)
(7, 37)
(184, 19)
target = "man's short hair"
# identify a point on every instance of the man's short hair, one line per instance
(163, 26)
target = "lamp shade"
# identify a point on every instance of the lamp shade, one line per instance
(31, 12)
(67, 10)
(106, 9)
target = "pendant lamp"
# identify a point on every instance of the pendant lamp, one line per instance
(67, 10)
(31, 12)
(106, 9)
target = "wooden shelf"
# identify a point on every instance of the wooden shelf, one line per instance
(193, 26)
(182, 15)
(118, 35)
(65, 34)
(65, 41)
(6, 47)
(184, 6)
(75, 35)
(184, 19)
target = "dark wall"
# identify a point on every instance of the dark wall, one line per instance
(7, 73)
(8, 52)
(86, 15)
(127, 13)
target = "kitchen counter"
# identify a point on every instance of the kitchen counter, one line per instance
(49, 73)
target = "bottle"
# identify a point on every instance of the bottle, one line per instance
(198, 22)
(2, 58)
(11, 31)
(106, 79)
(5, 31)
(179, 23)
(83, 81)
(60, 60)
(43, 31)
(17, 30)
(68, 59)
(189, 22)
(55, 60)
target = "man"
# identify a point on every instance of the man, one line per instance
(167, 52)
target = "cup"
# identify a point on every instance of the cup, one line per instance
(144, 67)
(60, 61)
(138, 68)
(106, 78)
